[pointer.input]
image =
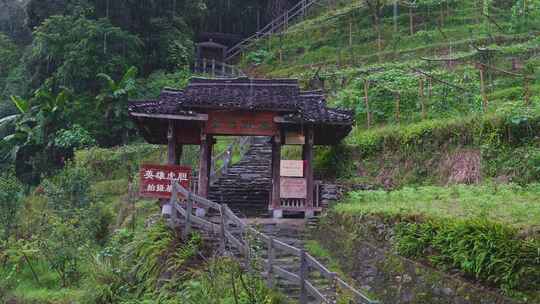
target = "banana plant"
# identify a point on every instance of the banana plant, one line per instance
(114, 95)
(113, 102)
(38, 117)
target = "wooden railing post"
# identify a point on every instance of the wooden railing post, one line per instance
(248, 251)
(173, 201)
(223, 238)
(213, 67)
(189, 209)
(303, 277)
(270, 265)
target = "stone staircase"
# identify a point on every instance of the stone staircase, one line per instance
(294, 232)
(246, 185)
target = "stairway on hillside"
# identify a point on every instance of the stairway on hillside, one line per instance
(275, 26)
(246, 185)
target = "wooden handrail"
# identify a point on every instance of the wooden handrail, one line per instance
(275, 25)
(227, 216)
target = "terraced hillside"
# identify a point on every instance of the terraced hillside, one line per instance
(446, 95)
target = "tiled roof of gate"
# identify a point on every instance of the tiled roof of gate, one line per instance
(277, 95)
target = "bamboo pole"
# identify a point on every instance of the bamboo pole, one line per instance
(398, 102)
(421, 97)
(350, 34)
(483, 88)
(366, 102)
(411, 20)
(527, 91)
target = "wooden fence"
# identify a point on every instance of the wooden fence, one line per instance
(233, 233)
(216, 69)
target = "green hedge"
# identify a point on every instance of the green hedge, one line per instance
(514, 124)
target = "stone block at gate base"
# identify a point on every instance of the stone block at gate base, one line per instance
(277, 213)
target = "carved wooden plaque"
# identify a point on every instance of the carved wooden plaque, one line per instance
(292, 168)
(294, 138)
(241, 123)
(293, 187)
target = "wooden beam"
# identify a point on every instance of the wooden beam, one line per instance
(171, 144)
(308, 157)
(204, 165)
(210, 141)
(283, 120)
(276, 160)
(197, 117)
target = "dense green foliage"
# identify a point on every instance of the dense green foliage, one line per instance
(485, 232)
(11, 194)
(84, 57)
(485, 250)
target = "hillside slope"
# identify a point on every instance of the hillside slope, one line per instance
(445, 93)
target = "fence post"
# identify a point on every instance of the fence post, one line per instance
(213, 67)
(189, 209)
(270, 265)
(303, 277)
(527, 91)
(398, 101)
(174, 200)
(223, 69)
(204, 65)
(483, 88)
(366, 102)
(421, 97)
(248, 251)
(222, 231)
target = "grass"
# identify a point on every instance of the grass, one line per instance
(511, 204)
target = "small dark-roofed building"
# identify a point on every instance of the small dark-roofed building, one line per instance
(211, 50)
(243, 107)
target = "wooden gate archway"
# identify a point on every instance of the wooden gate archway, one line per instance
(245, 107)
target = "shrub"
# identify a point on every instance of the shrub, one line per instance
(488, 251)
(73, 138)
(11, 194)
(68, 190)
(335, 161)
(259, 57)
(115, 163)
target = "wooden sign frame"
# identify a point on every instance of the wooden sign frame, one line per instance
(294, 138)
(292, 168)
(241, 123)
(156, 180)
(293, 187)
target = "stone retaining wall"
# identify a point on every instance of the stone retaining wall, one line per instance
(363, 250)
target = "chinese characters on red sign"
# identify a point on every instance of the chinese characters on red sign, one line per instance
(241, 123)
(156, 180)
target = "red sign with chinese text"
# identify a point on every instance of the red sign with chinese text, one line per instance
(241, 123)
(156, 180)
